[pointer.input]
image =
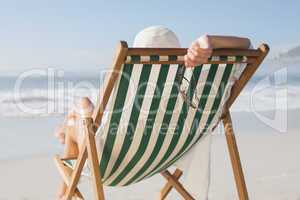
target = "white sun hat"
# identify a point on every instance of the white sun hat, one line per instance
(156, 36)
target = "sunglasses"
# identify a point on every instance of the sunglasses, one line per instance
(190, 98)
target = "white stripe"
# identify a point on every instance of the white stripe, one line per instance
(151, 85)
(157, 124)
(231, 58)
(180, 58)
(145, 58)
(215, 58)
(128, 59)
(163, 58)
(124, 121)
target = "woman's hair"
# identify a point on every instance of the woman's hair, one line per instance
(156, 36)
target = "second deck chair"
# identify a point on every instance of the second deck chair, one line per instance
(156, 117)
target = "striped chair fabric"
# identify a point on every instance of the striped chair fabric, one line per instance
(150, 125)
(157, 58)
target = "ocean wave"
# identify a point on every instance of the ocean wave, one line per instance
(37, 102)
(40, 102)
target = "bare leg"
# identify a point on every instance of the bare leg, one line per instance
(69, 121)
(73, 136)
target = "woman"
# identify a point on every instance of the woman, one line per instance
(199, 51)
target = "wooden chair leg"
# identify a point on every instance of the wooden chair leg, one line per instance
(88, 152)
(76, 173)
(66, 174)
(235, 158)
(93, 161)
(168, 187)
(178, 186)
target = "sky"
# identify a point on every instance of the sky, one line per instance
(82, 35)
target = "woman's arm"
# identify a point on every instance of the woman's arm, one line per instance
(201, 49)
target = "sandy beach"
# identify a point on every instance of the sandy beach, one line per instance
(271, 165)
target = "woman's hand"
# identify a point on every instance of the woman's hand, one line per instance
(199, 52)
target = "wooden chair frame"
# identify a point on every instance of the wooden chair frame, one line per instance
(88, 150)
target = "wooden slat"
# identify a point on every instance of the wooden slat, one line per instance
(247, 74)
(93, 159)
(183, 51)
(236, 52)
(178, 186)
(69, 158)
(76, 172)
(66, 172)
(235, 158)
(111, 80)
(168, 187)
(250, 60)
(157, 51)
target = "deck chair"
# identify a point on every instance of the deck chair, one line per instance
(157, 117)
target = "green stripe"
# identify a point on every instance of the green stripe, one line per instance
(172, 58)
(163, 129)
(198, 115)
(138, 100)
(135, 58)
(149, 124)
(116, 116)
(181, 120)
(154, 58)
(193, 83)
(223, 58)
(214, 109)
(239, 58)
